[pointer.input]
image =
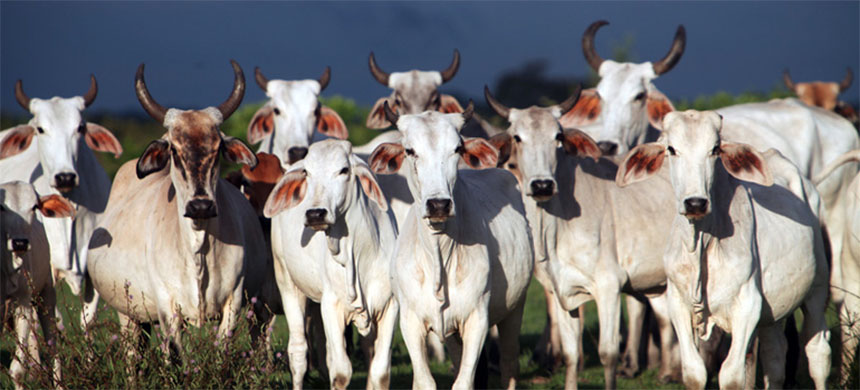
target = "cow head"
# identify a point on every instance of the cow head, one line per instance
(192, 146)
(415, 91)
(59, 128)
(819, 93)
(292, 114)
(325, 184)
(430, 149)
(532, 141)
(691, 143)
(625, 100)
(19, 203)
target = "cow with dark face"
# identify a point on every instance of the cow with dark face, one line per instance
(825, 95)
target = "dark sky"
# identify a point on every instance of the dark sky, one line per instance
(731, 46)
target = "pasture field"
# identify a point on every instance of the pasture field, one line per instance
(101, 363)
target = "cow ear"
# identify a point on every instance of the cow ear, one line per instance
(262, 124)
(331, 124)
(387, 158)
(502, 143)
(641, 163)
(479, 154)
(368, 182)
(17, 140)
(101, 139)
(449, 105)
(376, 118)
(658, 105)
(55, 206)
(577, 143)
(745, 163)
(289, 192)
(154, 158)
(235, 151)
(584, 112)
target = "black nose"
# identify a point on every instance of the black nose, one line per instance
(315, 217)
(296, 153)
(696, 205)
(542, 187)
(65, 180)
(200, 209)
(608, 148)
(438, 207)
(20, 244)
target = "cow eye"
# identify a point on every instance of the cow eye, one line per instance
(460, 150)
(41, 130)
(410, 152)
(512, 166)
(277, 111)
(559, 137)
(671, 150)
(344, 171)
(639, 97)
(716, 151)
(517, 138)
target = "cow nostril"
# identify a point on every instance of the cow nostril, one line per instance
(542, 187)
(696, 205)
(438, 206)
(608, 148)
(20, 244)
(316, 215)
(296, 153)
(65, 180)
(200, 209)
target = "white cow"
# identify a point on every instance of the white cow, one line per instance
(285, 124)
(54, 152)
(176, 243)
(464, 256)
(332, 238)
(743, 254)
(25, 269)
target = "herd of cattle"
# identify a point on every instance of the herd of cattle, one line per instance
(756, 214)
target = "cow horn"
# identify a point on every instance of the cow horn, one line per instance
(588, 50)
(22, 97)
(449, 73)
(390, 115)
(262, 81)
(90, 96)
(568, 103)
(468, 112)
(232, 102)
(498, 107)
(377, 73)
(674, 54)
(786, 78)
(846, 82)
(155, 110)
(325, 78)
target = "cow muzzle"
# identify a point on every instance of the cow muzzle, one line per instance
(296, 153)
(542, 190)
(200, 209)
(316, 219)
(438, 210)
(608, 148)
(66, 181)
(695, 208)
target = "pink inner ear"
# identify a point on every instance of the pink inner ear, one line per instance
(102, 140)
(331, 124)
(744, 163)
(450, 105)
(262, 125)
(55, 206)
(387, 158)
(16, 141)
(658, 106)
(642, 162)
(578, 143)
(287, 195)
(373, 191)
(480, 154)
(586, 110)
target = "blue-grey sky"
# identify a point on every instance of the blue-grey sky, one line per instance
(731, 46)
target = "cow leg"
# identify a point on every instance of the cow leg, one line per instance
(509, 346)
(334, 323)
(609, 313)
(547, 351)
(415, 335)
(570, 331)
(773, 348)
(849, 311)
(744, 320)
(378, 376)
(692, 366)
(635, 318)
(297, 348)
(669, 365)
(27, 350)
(455, 351)
(816, 336)
(48, 324)
(90, 299)
(473, 333)
(435, 348)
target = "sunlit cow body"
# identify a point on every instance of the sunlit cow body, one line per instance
(464, 257)
(743, 254)
(25, 269)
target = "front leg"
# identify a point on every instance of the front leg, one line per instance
(509, 346)
(744, 319)
(608, 299)
(693, 369)
(334, 323)
(229, 313)
(570, 332)
(380, 365)
(415, 335)
(473, 333)
(27, 350)
(635, 323)
(295, 304)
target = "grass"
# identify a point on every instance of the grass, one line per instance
(100, 360)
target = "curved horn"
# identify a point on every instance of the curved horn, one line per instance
(568, 103)
(325, 78)
(90, 96)
(468, 112)
(155, 110)
(498, 107)
(390, 115)
(377, 73)
(262, 81)
(846, 82)
(588, 50)
(449, 73)
(232, 102)
(786, 78)
(674, 54)
(20, 96)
